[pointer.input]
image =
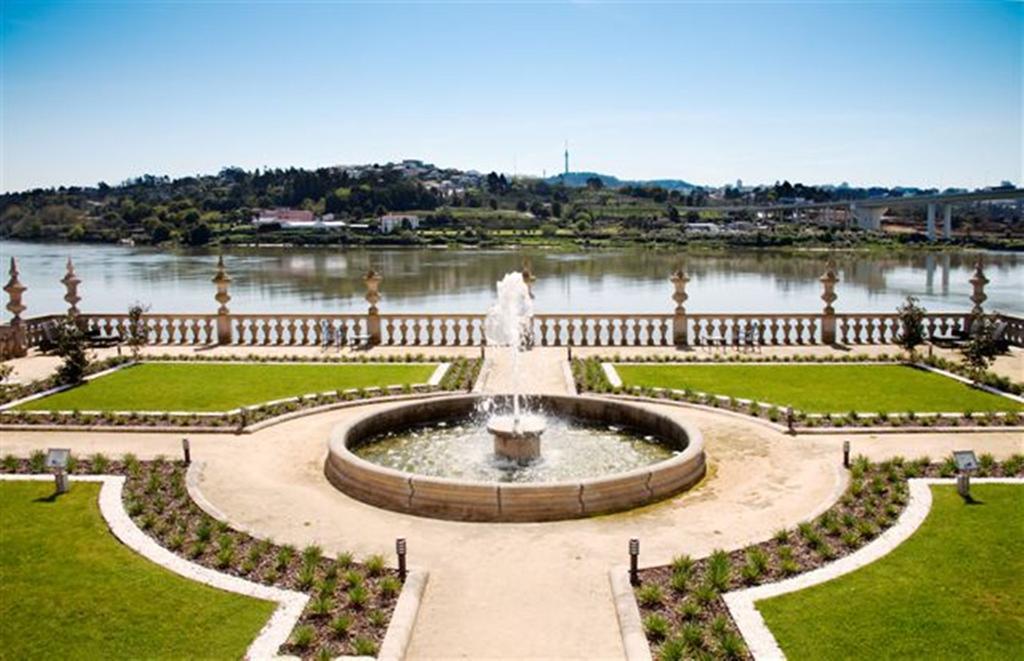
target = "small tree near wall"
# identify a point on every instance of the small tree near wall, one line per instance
(982, 346)
(138, 333)
(71, 345)
(911, 317)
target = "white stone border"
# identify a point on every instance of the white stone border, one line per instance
(742, 603)
(290, 604)
(631, 628)
(438, 375)
(612, 375)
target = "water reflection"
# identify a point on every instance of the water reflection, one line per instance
(427, 280)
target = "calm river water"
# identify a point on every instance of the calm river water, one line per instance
(427, 280)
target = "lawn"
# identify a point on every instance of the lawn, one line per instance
(952, 591)
(221, 386)
(824, 388)
(71, 590)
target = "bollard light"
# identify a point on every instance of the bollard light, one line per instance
(482, 354)
(634, 557)
(568, 349)
(400, 550)
(186, 450)
(966, 462)
(790, 420)
(846, 454)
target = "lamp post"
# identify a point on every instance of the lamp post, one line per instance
(186, 450)
(846, 454)
(400, 550)
(634, 558)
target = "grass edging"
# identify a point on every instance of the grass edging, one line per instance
(290, 603)
(741, 603)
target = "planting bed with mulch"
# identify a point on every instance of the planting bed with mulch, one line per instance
(350, 602)
(683, 613)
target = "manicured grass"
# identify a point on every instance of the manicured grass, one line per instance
(824, 388)
(221, 386)
(952, 591)
(71, 590)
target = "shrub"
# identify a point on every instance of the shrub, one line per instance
(357, 597)
(705, 594)
(352, 578)
(656, 627)
(377, 619)
(649, 595)
(682, 564)
(674, 649)
(306, 577)
(99, 463)
(375, 565)
(911, 318)
(732, 646)
(679, 581)
(341, 625)
(71, 346)
(692, 635)
(344, 559)
(284, 556)
(321, 605)
(364, 647)
(303, 636)
(204, 531)
(37, 461)
(10, 462)
(224, 557)
(719, 570)
(689, 610)
(390, 586)
(781, 536)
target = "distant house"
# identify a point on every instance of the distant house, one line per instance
(294, 219)
(709, 228)
(388, 223)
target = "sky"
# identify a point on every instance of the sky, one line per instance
(872, 93)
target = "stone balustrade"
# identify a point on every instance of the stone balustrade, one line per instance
(432, 329)
(602, 330)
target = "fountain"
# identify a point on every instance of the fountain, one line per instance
(516, 435)
(474, 457)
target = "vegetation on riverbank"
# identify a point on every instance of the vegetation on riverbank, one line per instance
(71, 590)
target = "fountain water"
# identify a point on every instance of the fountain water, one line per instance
(516, 436)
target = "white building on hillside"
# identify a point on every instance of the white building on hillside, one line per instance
(395, 221)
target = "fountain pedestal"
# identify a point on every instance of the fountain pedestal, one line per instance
(517, 439)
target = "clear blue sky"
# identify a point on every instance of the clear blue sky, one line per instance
(871, 93)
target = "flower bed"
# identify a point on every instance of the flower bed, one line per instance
(350, 602)
(683, 613)
(461, 375)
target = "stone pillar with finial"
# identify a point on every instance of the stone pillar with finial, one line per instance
(372, 280)
(679, 333)
(978, 281)
(222, 280)
(71, 282)
(828, 282)
(14, 290)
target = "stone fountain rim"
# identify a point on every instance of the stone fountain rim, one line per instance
(338, 446)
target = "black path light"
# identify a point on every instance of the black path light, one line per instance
(846, 454)
(57, 459)
(634, 557)
(186, 449)
(400, 550)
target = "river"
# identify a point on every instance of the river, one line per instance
(427, 280)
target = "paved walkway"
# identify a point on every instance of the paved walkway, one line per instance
(543, 369)
(521, 590)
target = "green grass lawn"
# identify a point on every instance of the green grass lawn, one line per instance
(824, 388)
(70, 590)
(221, 386)
(955, 590)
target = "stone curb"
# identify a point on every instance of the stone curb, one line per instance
(570, 380)
(631, 628)
(742, 603)
(399, 632)
(973, 384)
(612, 375)
(438, 375)
(290, 604)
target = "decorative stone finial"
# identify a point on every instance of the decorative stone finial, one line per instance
(372, 280)
(978, 280)
(14, 290)
(828, 282)
(71, 282)
(222, 280)
(679, 280)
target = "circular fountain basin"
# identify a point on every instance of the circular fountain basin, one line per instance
(667, 455)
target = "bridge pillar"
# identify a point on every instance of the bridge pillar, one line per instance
(868, 218)
(930, 227)
(947, 221)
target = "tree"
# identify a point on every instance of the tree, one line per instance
(981, 346)
(71, 345)
(595, 183)
(911, 318)
(138, 333)
(198, 235)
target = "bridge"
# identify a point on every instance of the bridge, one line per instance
(869, 211)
